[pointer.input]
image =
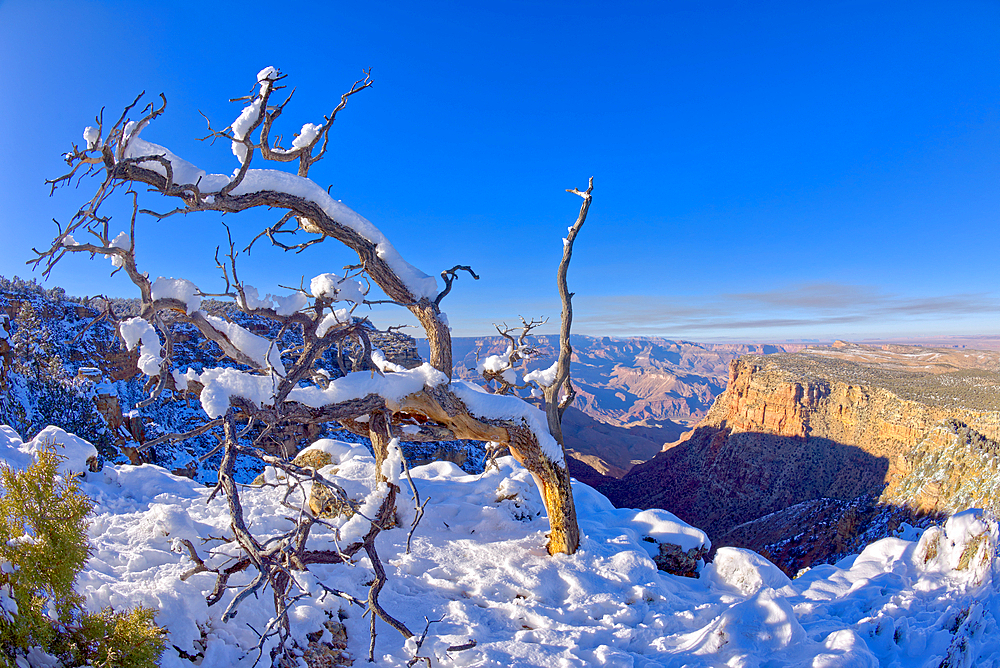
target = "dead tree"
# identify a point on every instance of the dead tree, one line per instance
(500, 371)
(269, 388)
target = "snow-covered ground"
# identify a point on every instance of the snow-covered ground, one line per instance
(478, 564)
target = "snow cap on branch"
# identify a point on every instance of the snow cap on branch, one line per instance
(180, 289)
(290, 304)
(184, 172)
(338, 317)
(262, 351)
(242, 125)
(544, 377)
(222, 384)
(283, 306)
(269, 73)
(499, 364)
(91, 135)
(307, 135)
(121, 241)
(337, 289)
(136, 330)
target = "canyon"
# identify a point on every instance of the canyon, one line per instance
(634, 395)
(798, 442)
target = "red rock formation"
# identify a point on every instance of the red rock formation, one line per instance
(790, 428)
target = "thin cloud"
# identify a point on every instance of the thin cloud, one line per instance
(820, 309)
(812, 296)
(836, 296)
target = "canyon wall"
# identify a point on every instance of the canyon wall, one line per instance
(903, 426)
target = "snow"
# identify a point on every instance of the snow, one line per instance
(544, 377)
(75, 451)
(136, 330)
(495, 406)
(68, 240)
(251, 300)
(667, 527)
(495, 362)
(307, 135)
(290, 304)
(282, 305)
(384, 365)
(220, 385)
(8, 606)
(746, 571)
(180, 289)
(393, 387)
(24, 539)
(181, 379)
(480, 566)
(242, 125)
(963, 527)
(184, 173)
(263, 352)
(12, 449)
(91, 135)
(38, 658)
(500, 363)
(340, 316)
(337, 289)
(223, 384)
(123, 241)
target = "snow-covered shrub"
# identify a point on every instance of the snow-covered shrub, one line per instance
(43, 546)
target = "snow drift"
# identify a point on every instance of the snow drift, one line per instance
(479, 565)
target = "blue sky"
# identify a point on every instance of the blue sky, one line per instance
(763, 171)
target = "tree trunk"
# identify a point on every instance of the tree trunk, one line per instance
(438, 336)
(557, 494)
(380, 434)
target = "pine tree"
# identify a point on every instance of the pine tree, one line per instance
(43, 546)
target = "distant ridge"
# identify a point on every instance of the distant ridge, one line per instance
(634, 395)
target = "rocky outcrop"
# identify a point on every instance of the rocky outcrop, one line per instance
(398, 348)
(125, 428)
(900, 425)
(676, 561)
(824, 530)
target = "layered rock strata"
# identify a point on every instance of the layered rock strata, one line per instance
(898, 425)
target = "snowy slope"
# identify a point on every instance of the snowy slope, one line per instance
(480, 566)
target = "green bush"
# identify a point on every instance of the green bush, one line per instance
(43, 546)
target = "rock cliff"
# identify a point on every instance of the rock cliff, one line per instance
(907, 427)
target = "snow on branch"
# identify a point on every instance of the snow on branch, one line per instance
(500, 371)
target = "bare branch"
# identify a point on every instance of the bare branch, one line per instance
(171, 438)
(552, 410)
(450, 276)
(418, 509)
